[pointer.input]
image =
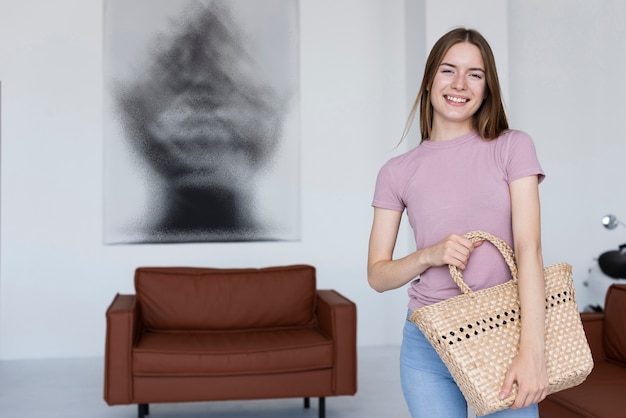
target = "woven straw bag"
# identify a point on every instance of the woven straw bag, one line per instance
(477, 333)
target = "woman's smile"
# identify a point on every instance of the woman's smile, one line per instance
(458, 89)
(456, 99)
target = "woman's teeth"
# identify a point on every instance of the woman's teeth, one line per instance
(456, 99)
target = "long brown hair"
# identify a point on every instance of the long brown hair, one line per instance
(490, 119)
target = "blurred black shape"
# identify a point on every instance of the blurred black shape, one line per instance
(204, 120)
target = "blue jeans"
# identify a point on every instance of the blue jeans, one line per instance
(428, 387)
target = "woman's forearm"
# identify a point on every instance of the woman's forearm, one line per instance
(531, 286)
(385, 275)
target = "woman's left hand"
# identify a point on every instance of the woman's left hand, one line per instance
(528, 370)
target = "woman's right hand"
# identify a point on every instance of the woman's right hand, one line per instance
(384, 273)
(453, 250)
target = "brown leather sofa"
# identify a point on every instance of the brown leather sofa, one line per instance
(202, 334)
(603, 394)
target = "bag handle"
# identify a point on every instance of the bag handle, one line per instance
(501, 245)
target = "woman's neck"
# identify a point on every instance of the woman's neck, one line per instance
(448, 131)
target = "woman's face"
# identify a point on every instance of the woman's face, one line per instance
(458, 88)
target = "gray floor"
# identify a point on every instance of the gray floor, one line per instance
(70, 388)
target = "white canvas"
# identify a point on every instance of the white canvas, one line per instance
(201, 121)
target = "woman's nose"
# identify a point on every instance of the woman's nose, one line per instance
(458, 82)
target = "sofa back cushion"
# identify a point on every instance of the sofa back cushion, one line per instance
(615, 324)
(206, 299)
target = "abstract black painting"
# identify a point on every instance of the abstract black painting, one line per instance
(201, 121)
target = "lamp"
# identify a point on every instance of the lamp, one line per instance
(611, 222)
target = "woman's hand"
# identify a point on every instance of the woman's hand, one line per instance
(453, 250)
(385, 273)
(528, 370)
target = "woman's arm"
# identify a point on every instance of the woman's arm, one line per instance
(385, 273)
(528, 368)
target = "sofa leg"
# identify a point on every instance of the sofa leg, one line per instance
(322, 407)
(307, 403)
(143, 409)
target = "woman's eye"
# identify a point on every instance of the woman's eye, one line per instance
(477, 76)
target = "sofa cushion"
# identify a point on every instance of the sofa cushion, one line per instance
(600, 395)
(615, 324)
(193, 299)
(232, 353)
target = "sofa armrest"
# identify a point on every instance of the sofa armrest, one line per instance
(593, 323)
(337, 318)
(122, 328)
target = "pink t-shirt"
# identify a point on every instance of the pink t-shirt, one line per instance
(458, 186)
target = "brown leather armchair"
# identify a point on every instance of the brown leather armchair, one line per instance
(602, 395)
(202, 334)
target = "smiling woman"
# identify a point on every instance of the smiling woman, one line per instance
(457, 91)
(470, 172)
(490, 118)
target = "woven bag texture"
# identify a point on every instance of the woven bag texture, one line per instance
(477, 333)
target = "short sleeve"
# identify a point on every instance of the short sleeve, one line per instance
(386, 195)
(521, 157)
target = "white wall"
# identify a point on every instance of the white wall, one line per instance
(566, 60)
(56, 277)
(559, 62)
